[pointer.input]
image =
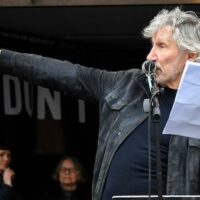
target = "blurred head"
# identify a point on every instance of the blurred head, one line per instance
(69, 173)
(5, 157)
(175, 37)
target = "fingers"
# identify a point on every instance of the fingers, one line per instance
(8, 176)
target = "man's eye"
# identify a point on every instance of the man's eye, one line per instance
(162, 45)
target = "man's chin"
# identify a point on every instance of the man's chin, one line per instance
(161, 82)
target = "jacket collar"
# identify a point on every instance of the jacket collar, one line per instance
(130, 89)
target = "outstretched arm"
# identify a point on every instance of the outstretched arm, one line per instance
(73, 79)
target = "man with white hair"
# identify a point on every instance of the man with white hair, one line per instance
(121, 165)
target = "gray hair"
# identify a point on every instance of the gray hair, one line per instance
(185, 27)
(77, 164)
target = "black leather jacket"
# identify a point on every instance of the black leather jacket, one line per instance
(120, 96)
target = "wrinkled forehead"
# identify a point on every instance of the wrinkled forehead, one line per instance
(163, 34)
(167, 30)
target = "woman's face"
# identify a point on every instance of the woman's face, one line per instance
(5, 158)
(68, 175)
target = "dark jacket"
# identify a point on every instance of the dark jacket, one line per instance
(5, 192)
(56, 193)
(120, 96)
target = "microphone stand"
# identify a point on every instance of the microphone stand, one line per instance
(155, 91)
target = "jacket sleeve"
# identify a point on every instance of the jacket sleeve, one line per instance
(73, 79)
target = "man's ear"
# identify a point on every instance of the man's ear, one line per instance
(192, 56)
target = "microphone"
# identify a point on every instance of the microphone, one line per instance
(149, 68)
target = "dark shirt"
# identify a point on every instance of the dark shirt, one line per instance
(56, 193)
(128, 173)
(9, 193)
(5, 191)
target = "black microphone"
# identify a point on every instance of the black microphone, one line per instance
(149, 68)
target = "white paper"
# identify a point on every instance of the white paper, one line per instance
(184, 118)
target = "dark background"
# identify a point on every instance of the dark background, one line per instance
(106, 37)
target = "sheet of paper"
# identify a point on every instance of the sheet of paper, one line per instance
(184, 118)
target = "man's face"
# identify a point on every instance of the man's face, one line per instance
(5, 158)
(169, 59)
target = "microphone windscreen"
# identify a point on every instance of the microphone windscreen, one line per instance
(148, 67)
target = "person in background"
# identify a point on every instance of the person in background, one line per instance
(70, 181)
(121, 165)
(6, 174)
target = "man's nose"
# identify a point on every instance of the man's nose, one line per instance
(152, 55)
